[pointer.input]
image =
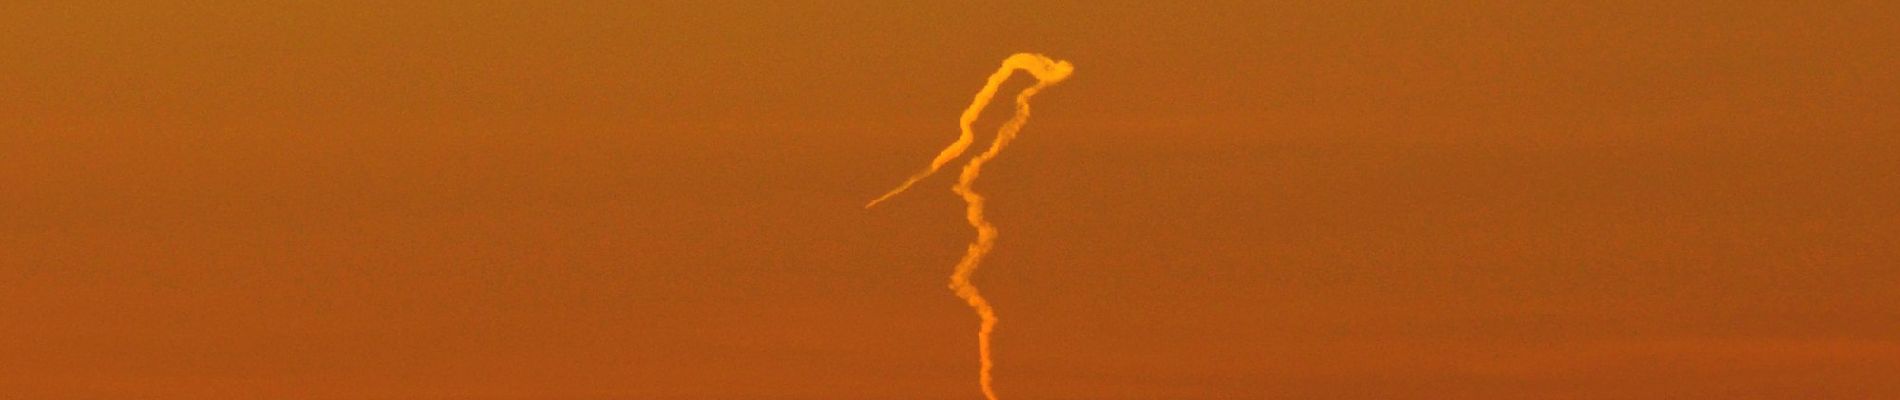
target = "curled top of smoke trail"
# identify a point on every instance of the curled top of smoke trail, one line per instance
(1045, 69)
(1048, 71)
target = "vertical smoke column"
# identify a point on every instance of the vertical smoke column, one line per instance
(1047, 72)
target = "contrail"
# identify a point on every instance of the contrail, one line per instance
(1047, 72)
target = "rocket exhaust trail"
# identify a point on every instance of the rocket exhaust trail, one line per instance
(1047, 72)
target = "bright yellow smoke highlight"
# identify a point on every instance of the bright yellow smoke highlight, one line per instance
(1047, 72)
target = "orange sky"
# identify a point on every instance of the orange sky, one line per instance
(356, 200)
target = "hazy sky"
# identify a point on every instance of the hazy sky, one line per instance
(1232, 200)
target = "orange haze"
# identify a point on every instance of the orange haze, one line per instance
(1234, 200)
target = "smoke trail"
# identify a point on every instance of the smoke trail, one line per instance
(1047, 72)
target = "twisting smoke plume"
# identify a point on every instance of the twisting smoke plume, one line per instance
(1047, 72)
